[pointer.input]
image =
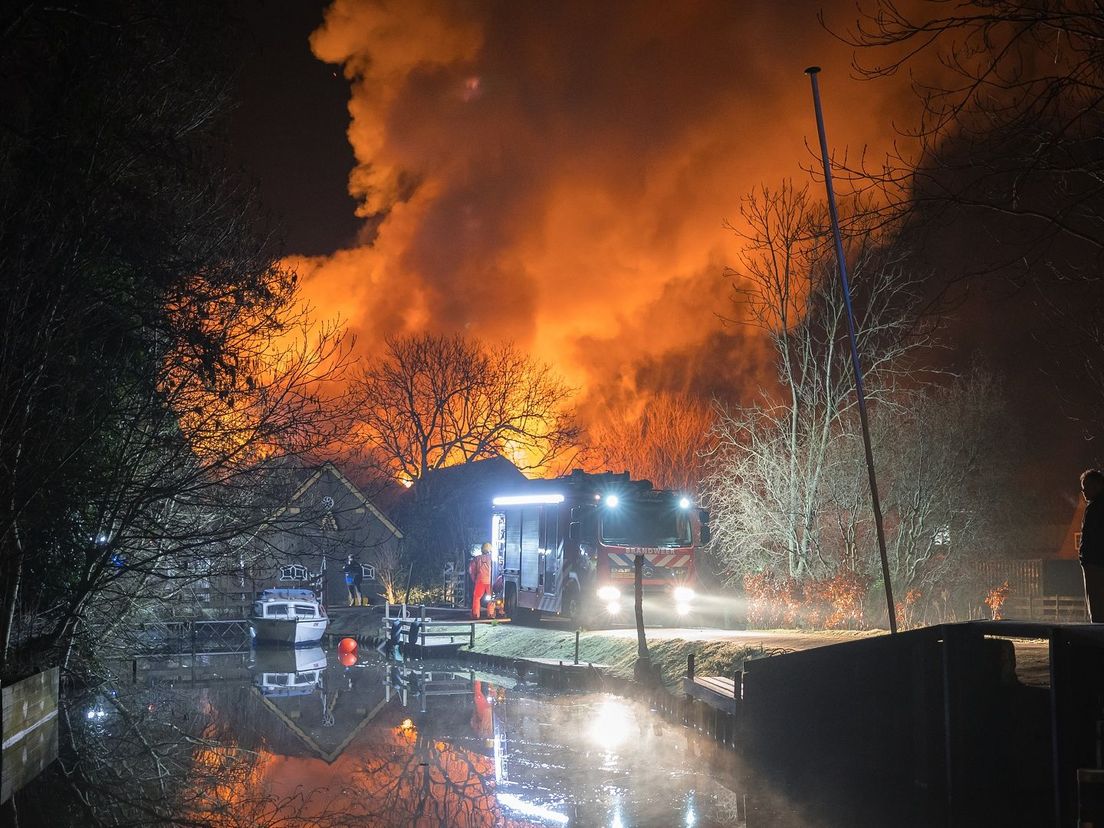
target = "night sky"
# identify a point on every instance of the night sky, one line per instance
(288, 130)
(559, 174)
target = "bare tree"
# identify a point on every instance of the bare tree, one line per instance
(946, 480)
(390, 571)
(153, 359)
(665, 442)
(765, 487)
(1011, 119)
(435, 401)
(1008, 145)
(945, 468)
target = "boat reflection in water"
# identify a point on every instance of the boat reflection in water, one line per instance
(287, 672)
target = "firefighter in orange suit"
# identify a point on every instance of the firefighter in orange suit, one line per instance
(480, 570)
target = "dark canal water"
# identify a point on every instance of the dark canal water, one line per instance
(294, 738)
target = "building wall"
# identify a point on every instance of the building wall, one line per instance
(315, 534)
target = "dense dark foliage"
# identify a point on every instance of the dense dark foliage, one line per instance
(141, 365)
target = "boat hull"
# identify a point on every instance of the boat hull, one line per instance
(287, 631)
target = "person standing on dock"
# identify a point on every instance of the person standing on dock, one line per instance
(480, 569)
(354, 574)
(1091, 548)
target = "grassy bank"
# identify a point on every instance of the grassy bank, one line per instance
(711, 657)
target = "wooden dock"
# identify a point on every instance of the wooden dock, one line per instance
(716, 691)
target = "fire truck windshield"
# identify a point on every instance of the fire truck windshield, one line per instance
(645, 524)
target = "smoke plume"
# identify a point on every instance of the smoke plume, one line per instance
(559, 174)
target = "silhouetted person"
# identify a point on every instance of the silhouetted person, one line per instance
(1091, 548)
(353, 576)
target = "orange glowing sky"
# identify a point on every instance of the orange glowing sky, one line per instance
(559, 174)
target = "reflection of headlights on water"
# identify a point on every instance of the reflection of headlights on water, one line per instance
(683, 595)
(613, 607)
(611, 726)
(682, 609)
(516, 803)
(608, 593)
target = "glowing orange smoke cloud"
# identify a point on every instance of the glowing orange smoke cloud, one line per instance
(559, 174)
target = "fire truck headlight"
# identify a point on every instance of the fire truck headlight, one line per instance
(613, 607)
(683, 595)
(612, 501)
(684, 503)
(608, 593)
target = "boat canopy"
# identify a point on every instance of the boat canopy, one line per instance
(286, 595)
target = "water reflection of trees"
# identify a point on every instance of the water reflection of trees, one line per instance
(226, 755)
(422, 779)
(218, 756)
(150, 757)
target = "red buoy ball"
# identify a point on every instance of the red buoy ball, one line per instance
(347, 645)
(347, 659)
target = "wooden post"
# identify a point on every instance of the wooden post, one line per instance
(638, 590)
(576, 646)
(690, 666)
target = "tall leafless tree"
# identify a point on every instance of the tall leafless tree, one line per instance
(1008, 145)
(765, 487)
(434, 401)
(1011, 118)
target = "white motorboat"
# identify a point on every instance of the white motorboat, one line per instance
(287, 616)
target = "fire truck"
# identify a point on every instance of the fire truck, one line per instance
(568, 545)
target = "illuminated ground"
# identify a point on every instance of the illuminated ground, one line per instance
(716, 651)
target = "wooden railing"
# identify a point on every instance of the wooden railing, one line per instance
(423, 627)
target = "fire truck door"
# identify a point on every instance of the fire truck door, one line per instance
(529, 577)
(552, 546)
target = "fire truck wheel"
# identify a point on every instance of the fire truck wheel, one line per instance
(509, 601)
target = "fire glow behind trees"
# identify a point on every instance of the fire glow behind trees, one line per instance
(558, 176)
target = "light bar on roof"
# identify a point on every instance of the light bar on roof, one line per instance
(524, 500)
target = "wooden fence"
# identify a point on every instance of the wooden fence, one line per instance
(1029, 598)
(1024, 576)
